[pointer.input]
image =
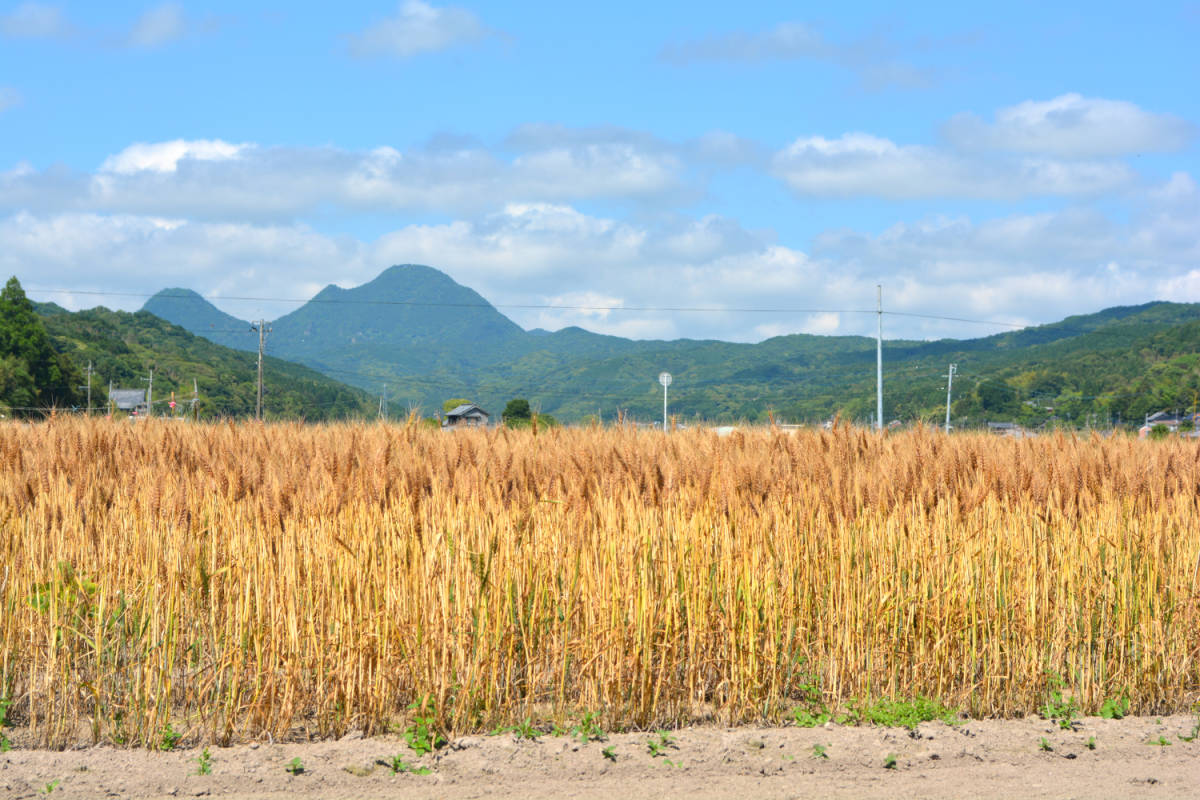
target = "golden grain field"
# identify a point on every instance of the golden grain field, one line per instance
(238, 580)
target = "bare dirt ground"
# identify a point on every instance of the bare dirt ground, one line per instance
(974, 759)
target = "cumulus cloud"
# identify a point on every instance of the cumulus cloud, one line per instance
(36, 21)
(9, 98)
(418, 28)
(526, 254)
(141, 254)
(1022, 267)
(1071, 126)
(858, 164)
(214, 179)
(874, 60)
(1032, 267)
(165, 156)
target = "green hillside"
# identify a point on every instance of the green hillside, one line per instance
(428, 339)
(33, 374)
(192, 312)
(123, 347)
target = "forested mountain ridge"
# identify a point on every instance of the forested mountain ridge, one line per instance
(428, 338)
(44, 350)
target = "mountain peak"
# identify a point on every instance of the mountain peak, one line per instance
(176, 293)
(407, 282)
(189, 309)
(408, 313)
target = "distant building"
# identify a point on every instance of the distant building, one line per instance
(1172, 422)
(468, 415)
(1010, 429)
(131, 401)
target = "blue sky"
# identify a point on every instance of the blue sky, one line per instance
(1018, 163)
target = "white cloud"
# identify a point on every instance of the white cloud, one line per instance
(142, 254)
(824, 324)
(1180, 187)
(35, 21)
(1022, 267)
(1029, 267)
(608, 170)
(214, 179)
(9, 98)
(165, 156)
(418, 28)
(158, 26)
(1071, 126)
(859, 164)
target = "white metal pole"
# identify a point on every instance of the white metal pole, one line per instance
(949, 383)
(879, 360)
(664, 407)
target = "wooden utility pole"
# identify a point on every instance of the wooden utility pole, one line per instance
(263, 329)
(150, 395)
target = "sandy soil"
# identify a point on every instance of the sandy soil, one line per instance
(975, 759)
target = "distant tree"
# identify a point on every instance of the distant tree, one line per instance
(517, 412)
(995, 395)
(454, 403)
(34, 375)
(16, 384)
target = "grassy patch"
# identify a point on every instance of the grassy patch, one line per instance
(897, 713)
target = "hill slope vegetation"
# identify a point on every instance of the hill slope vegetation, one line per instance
(123, 347)
(427, 338)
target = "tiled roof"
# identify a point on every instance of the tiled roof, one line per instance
(464, 409)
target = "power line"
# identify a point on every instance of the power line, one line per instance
(534, 306)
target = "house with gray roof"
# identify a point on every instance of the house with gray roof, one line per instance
(130, 401)
(467, 415)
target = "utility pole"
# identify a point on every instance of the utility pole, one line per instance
(383, 403)
(110, 400)
(949, 384)
(879, 360)
(195, 398)
(263, 329)
(150, 395)
(665, 379)
(89, 388)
